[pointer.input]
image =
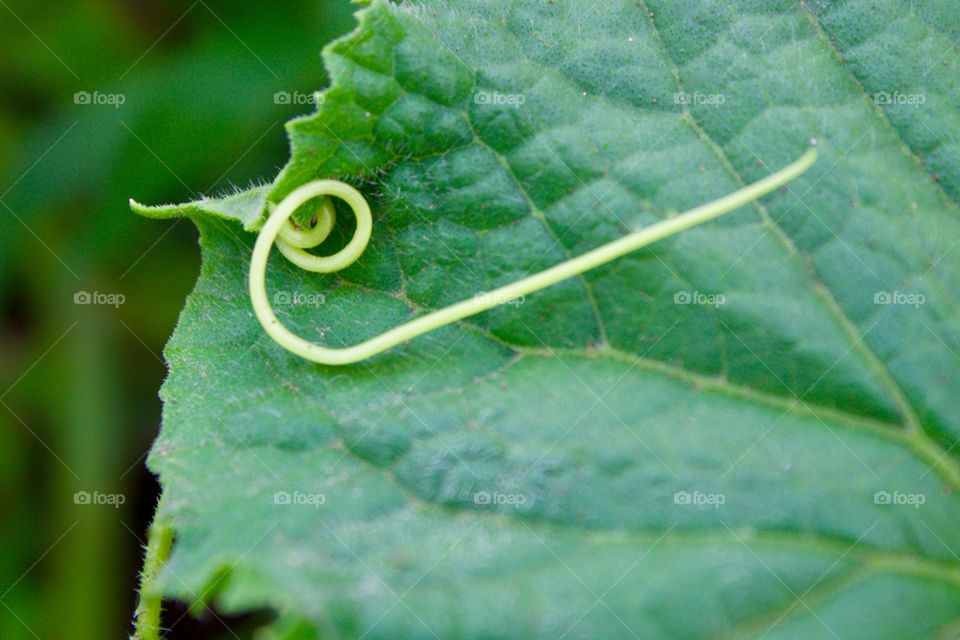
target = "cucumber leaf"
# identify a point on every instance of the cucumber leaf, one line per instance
(748, 430)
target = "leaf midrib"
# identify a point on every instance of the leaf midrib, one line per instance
(921, 448)
(920, 445)
(766, 622)
(878, 112)
(911, 421)
(820, 289)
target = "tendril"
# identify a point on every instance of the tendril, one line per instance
(293, 243)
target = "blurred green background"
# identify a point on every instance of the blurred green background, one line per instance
(101, 101)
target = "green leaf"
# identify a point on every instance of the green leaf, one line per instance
(245, 207)
(748, 430)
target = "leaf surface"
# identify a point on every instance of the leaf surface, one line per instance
(731, 433)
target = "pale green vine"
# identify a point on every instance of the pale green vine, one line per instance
(292, 244)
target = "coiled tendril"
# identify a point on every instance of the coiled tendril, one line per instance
(292, 243)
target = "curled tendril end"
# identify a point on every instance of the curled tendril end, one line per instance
(293, 243)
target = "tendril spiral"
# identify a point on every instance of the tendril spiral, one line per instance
(293, 242)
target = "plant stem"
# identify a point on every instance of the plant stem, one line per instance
(159, 541)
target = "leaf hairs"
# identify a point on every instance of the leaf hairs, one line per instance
(293, 243)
